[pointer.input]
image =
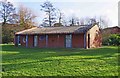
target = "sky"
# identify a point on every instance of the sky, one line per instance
(80, 8)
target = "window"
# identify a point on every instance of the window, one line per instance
(42, 38)
(24, 40)
(35, 41)
(19, 40)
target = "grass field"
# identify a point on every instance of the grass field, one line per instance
(20, 61)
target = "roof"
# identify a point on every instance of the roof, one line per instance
(56, 30)
(112, 27)
(111, 30)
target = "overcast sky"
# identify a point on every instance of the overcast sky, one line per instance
(79, 8)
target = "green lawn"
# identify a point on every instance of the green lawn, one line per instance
(20, 61)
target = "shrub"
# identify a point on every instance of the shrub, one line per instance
(113, 39)
(7, 35)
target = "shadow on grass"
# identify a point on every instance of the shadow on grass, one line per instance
(32, 56)
(106, 51)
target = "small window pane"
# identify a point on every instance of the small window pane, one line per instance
(42, 37)
(24, 40)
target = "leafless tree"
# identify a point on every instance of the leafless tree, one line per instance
(60, 16)
(6, 11)
(103, 21)
(73, 20)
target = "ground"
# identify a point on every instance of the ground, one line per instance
(20, 61)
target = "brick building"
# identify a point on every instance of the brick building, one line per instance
(86, 36)
(111, 30)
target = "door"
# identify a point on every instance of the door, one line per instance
(18, 40)
(88, 40)
(68, 41)
(35, 41)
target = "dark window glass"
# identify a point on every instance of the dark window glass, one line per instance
(42, 37)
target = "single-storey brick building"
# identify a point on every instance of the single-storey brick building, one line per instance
(111, 30)
(86, 36)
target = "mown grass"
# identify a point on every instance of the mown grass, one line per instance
(20, 61)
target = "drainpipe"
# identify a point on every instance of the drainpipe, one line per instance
(71, 41)
(85, 40)
(18, 39)
(46, 41)
(58, 41)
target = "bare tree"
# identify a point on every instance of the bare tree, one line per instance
(49, 9)
(87, 20)
(73, 20)
(103, 21)
(81, 21)
(64, 22)
(25, 17)
(60, 16)
(6, 11)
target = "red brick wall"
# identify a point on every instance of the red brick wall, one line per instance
(55, 41)
(78, 40)
(61, 41)
(108, 31)
(30, 41)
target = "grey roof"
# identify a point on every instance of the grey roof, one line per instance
(56, 30)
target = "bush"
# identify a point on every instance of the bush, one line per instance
(113, 39)
(7, 35)
(105, 41)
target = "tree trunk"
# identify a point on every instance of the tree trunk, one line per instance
(4, 22)
(49, 19)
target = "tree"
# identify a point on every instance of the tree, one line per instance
(82, 21)
(92, 21)
(8, 34)
(60, 17)
(113, 39)
(6, 11)
(25, 17)
(73, 20)
(103, 21)
(87, 21)
(48, 8)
